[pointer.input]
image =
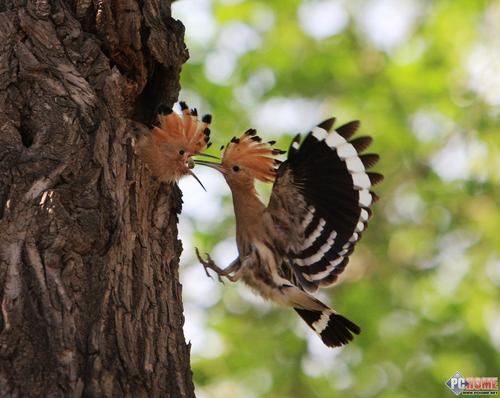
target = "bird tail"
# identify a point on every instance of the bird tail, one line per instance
(334, 329)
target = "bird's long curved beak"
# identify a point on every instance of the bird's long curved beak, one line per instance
(197, 179)
(216, 166)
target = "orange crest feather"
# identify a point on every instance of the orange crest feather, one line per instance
(185, 129)
(250, 152)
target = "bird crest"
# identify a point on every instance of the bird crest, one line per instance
(167, 149)
(252, 153)
(184, 129)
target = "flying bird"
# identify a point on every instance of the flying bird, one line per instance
(318, 210)
(167, 149)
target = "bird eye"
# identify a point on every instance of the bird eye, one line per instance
(181, 152)
(236, 168)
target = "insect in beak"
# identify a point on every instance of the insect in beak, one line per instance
(190, 165)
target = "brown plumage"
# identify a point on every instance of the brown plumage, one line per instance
(318, 209)
(167, 149)
(252, 154)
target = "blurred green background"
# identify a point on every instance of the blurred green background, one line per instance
(423, 283)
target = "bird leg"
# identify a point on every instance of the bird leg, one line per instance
(226, 272)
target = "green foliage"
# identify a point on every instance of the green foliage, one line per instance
(424, 281)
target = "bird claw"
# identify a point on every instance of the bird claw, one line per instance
(210, 264)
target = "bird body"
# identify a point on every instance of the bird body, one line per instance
(302, 240)
(259, 247)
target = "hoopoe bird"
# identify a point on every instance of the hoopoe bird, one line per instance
(318, 210)
(167, 150)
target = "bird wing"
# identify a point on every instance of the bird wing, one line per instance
(320, 203)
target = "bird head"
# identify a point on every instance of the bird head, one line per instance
(168, 148)
(247, 158)
(183, 135)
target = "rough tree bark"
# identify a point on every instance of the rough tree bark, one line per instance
(89, 292)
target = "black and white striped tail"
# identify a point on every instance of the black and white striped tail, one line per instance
(333, 329)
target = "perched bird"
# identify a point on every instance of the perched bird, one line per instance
(318, 210)
(167, 150)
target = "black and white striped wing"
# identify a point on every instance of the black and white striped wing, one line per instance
(321, 201)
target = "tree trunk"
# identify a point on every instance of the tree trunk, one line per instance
(90, 298)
